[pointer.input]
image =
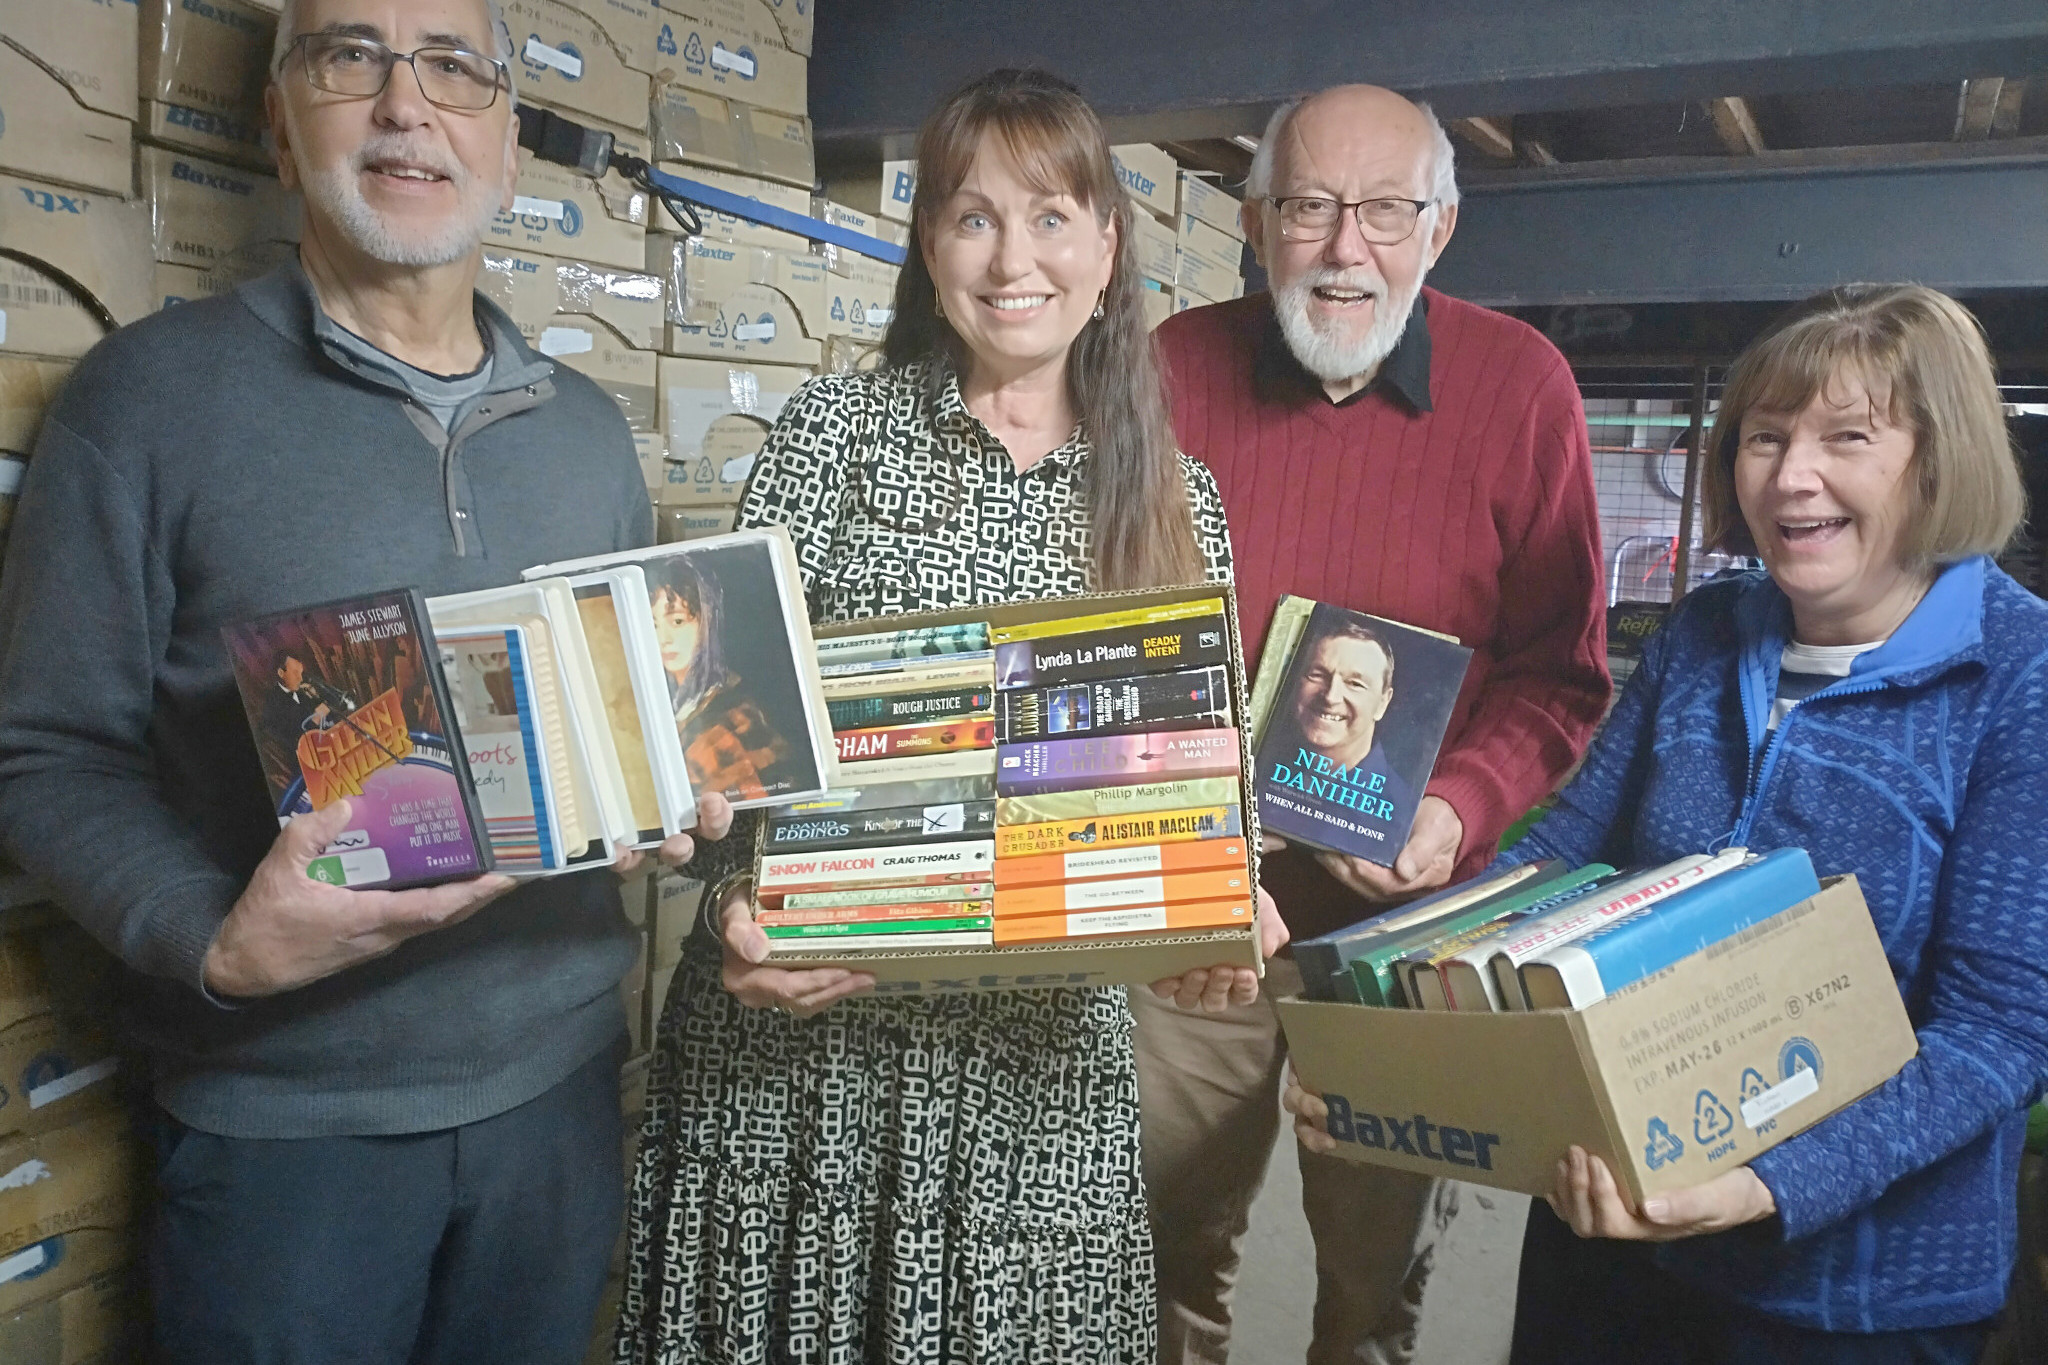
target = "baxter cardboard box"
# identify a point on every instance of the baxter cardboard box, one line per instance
(534, 289)
(1106, 961)
(700, 397)
(98, 1323)
(676, 900)
(842, 260)
(775, 23)
(637, 29)
(1673, 1081)
(696, 128)
(1158, 301)
(729, 227)
(626, 373)
(860, 301)
(1149, 176)
(56, 1066)
(717, 477)
(1156, 246)
(729, 61)
(886, 194)
(557, 212)
(208, 215)
(67, 1207)
(67, 90)
(672, 524)
(99, 241)
(565, 59)
(744, 303)
(204, 66)
(184, 283)
(1208, 263)
(28, 385)
(1204, 199)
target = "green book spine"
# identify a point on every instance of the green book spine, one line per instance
(1372, 973)
(862, 928)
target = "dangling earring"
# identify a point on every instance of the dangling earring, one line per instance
(939, 307)
(1099, 298)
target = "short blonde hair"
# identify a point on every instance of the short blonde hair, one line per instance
(1929, 351)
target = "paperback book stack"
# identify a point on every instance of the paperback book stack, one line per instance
(1119, 776)
(899, 853)
(1544, 937)
(1078, 778)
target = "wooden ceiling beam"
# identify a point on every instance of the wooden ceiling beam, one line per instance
(1488, 136)
(1977, 107)
(1736, 125)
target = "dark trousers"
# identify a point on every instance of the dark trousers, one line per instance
(488, 1243)
(1591, 1302)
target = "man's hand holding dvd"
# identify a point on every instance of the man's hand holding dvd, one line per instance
(549, 726)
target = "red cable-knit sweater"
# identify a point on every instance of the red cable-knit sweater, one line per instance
(1475, 518)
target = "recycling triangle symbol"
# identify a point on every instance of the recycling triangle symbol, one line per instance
(860, 312)
(666, 42)
(693, 51)
(1664, 1146)
(838, 310)
(718, 327)
(1711, 1120)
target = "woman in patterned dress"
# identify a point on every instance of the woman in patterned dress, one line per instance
(827, 1176)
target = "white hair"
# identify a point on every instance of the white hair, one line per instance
(1443, 181)
(501, 33)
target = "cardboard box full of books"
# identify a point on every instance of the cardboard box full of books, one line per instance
(695, 127)
(535, 289)
(1148, 175)
(1156, 245)
(208, 215)
(557, 212)
(887, 195)
(565, 59)
(1203, 199)
(55, 1065)
(1210, 263)
(723, 54)
(100, 242)
(703, 397)
(1673, 1080)
(1076, 901)
(28, 385)
(67, 91)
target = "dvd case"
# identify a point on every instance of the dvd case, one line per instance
(346, 700)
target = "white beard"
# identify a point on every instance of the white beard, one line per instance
(1334, 358)
(336, 192)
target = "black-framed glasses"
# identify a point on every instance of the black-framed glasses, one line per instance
(450, 77)
(1383, 222)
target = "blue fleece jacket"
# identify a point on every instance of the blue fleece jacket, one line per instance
(1925, 773)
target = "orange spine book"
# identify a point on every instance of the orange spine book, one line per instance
(1199, 855)
(1143, 919)
(1071, 897)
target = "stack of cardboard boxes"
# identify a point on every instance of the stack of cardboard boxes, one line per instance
(1190, 243)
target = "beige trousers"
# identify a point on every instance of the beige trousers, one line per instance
(1209, 1088)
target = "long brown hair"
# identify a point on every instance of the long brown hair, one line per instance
(1140, 525)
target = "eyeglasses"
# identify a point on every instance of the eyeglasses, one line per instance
(450, 77)
(1383, 222)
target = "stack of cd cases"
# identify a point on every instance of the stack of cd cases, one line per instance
(1063, 773)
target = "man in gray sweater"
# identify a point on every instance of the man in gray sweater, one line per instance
(387, 1123)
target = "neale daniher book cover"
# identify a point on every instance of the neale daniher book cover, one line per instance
(1354, 732)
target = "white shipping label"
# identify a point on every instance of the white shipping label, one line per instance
(23, 1263)
(738, 62)
(1798, 1086)
(764, 330)
(3, 325)
(31, 1172)
(526, 207)
(49, 1092)
(1110, 861)
(1102, 895)
(736, 470)
(566, 341)
(879, 317)
(568, 63)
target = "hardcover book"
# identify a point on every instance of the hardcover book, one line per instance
(1354, 731)
(346, 701)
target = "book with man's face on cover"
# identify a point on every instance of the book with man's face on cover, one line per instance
(346, 700)
(1356, 710)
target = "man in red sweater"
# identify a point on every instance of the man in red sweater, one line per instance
(1393, 450)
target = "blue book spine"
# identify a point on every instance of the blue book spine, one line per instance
(1633, 948)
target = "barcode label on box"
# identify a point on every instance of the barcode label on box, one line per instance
(738, 62)
(568, 63)
(566, 341)
(1780, 1097)
(526, 207)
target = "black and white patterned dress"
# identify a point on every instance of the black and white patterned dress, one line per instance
(944, 1178)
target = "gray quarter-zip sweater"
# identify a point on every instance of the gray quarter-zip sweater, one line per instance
(221, 460)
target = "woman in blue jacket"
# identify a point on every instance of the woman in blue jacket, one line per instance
(1879, 698)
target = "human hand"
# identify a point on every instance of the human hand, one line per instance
(1311, 1115)
(1271, 843)
(1212, 989)
(1425, 861)
(802, 993)
(288, 930)
(1587, 1196)
(714, 822)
